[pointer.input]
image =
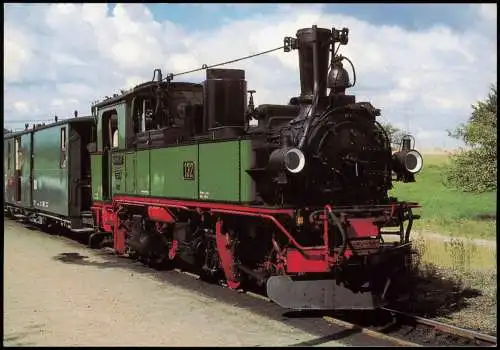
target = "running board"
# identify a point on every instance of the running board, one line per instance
(320, 294)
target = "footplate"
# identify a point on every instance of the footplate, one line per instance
(320, 294)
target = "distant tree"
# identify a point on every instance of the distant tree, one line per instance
(475, 169)
(395, 134)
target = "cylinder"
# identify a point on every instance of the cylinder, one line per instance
(305, 38)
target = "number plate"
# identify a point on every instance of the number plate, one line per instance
(365, 246)
(188, 170)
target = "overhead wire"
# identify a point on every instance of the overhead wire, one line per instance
(204, 66)
(28, 120)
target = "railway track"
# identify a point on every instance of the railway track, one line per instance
(411, 329)
(476, 338)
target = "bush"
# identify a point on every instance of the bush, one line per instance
(475, 169)
(394, 133)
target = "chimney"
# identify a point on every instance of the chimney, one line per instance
(314, 51)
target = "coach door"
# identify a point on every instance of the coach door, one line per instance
(26, 161)
(18, 166)
(10, 184)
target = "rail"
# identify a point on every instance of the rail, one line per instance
(447, 328)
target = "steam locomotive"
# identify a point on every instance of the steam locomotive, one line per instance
(175, 173)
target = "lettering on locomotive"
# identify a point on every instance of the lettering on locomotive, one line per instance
(188, 170)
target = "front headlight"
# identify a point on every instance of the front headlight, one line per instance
(295, 160)
(413, 161)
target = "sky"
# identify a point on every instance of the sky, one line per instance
(423, 65)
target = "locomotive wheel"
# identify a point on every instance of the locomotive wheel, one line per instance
(160, 263)
(208, 277)
(98, 239)
(9, 214)
(50, 228)
(95, 240)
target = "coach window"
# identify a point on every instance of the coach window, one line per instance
(18, 153)
(115, 139)
(63, 148)
(9, 150)
(113, 125)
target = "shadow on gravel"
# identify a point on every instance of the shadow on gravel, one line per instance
(30, 227)
(321, 340)
(17, 338)
(485, 217)
(435, 294)
(77, 259)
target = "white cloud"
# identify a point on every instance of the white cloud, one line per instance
(71, 54)
(17, 53)
(133, 81)
(489, 12)
(22, 107)
(74, 89)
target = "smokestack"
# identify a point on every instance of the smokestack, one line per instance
(307, 45)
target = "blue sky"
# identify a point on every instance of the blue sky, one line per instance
(423, 65)
(410, 16)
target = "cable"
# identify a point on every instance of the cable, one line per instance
(336, 51)
(171, 75)
(353, 70)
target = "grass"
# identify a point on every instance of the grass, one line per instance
(445, 210)
(462, 256)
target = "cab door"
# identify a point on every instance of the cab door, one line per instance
(130, 164)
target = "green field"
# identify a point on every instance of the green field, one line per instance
(445, 210)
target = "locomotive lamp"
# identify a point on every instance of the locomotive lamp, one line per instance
(338, 78)
(407, 161)
(295, 160)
